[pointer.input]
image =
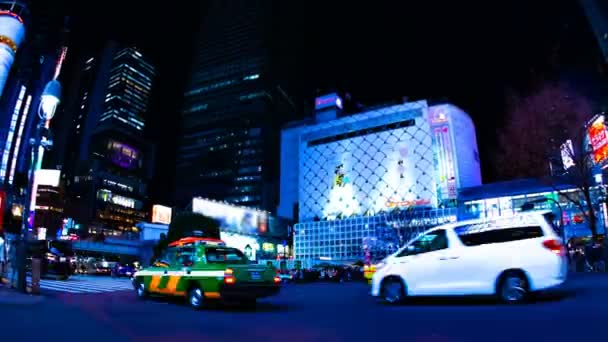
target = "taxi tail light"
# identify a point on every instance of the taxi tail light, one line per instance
(277, 279)
(229, 276)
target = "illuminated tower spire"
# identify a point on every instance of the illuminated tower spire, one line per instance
(12, 33)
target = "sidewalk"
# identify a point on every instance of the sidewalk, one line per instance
(12, 297)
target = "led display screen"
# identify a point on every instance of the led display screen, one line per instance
(598, 139)
(123, 155)
(233, 218)
(161, 214)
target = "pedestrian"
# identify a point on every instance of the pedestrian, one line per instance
(2, 257)
(12, 260)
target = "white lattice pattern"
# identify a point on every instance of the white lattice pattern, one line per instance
(362, 174)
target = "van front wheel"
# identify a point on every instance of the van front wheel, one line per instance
(393, 291)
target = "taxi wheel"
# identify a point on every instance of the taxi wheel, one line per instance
(196, 298)
(140, 289)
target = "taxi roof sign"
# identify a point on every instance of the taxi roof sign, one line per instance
(197, 240)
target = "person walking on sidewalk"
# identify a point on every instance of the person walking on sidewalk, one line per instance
(12, 261)
(2, 256)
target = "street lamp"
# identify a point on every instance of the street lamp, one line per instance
(49, 100)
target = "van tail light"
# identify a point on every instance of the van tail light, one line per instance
(229, 276)
(555, 246)
(277, 277)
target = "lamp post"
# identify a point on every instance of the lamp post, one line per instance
(49, 100)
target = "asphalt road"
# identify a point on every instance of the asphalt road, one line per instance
(315, 312)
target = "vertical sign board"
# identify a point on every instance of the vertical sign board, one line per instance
(598, 139)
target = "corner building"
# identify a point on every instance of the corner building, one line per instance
(373, 179)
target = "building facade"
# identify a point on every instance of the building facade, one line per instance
(408, 157)
(110, 170)
(233, 110)
(597, 14)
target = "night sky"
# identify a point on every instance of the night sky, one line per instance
(442, 50)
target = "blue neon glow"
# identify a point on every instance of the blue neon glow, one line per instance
(24, 118)
(11, 133)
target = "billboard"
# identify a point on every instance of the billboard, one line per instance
(567, 152)
(598, 139)
(233, 218)
(161, 214)
(48, 177)
(367, 164)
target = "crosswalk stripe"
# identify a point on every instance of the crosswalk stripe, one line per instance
(87, 286)
(84, 285)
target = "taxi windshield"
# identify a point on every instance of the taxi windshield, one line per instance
(225, 255)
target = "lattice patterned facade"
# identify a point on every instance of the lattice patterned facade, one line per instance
(367, 163)
(347, 240)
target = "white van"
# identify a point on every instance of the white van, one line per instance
(509, 257)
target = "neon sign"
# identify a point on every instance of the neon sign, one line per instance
(414, 203)
(598, 139)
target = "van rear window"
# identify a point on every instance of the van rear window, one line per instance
(499, 235)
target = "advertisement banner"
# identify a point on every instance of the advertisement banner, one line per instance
(567, 152)
(233, 218)
(161, 214)
(598, 139)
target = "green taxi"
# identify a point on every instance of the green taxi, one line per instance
(203, 269)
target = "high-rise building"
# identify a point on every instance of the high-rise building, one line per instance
(597, 14)
(111, 164)
(129, 89)
(233, 109)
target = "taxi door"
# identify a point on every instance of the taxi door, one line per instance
(162, 269)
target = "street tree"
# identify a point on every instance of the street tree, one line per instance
(536, 125)
(540, 128)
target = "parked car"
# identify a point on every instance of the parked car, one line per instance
(123, 270)
(509, 257)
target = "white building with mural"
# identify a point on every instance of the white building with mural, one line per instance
(336, 167)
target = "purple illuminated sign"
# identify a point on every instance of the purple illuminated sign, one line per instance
(123, 155)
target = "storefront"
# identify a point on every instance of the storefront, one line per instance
(508, 198)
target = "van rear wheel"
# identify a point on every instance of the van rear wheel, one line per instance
(513, 288)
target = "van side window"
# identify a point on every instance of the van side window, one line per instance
(496, 235)
(433, 241)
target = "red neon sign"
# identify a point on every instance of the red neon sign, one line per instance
(599, 140)
(9, 13)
